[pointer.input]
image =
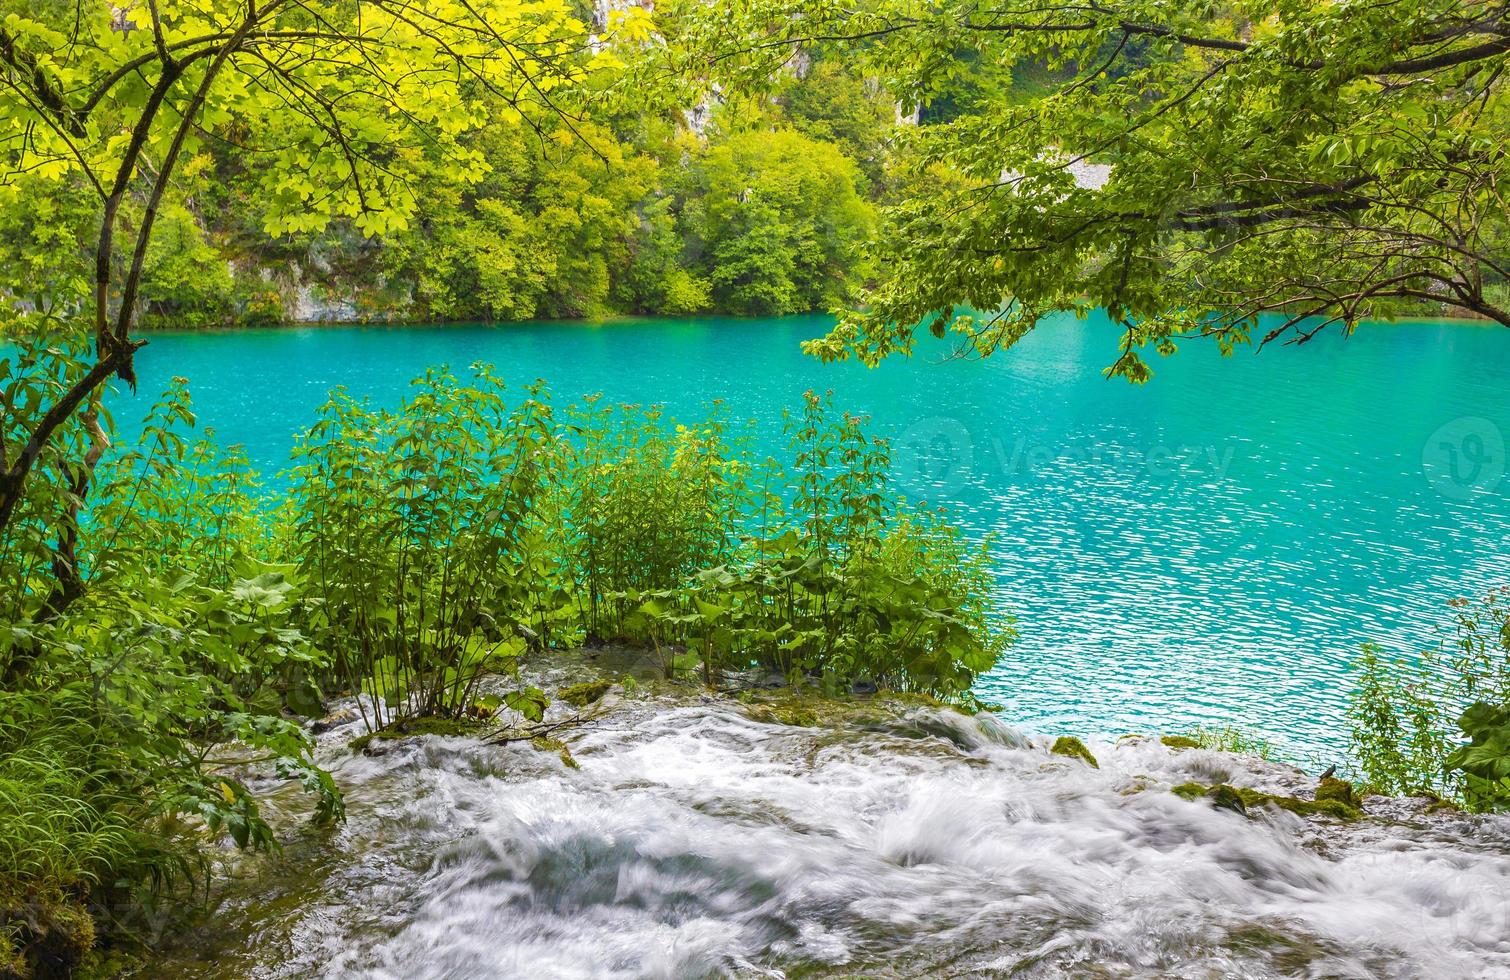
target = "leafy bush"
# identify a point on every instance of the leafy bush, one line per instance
(146, 660)
(412, 528)
(837, 580)
(495, 528)
(1409, 720)
(170, 506)
(644, 505)
(1484, 762)
(167, 623)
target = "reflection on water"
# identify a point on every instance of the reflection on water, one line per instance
(1209, 548)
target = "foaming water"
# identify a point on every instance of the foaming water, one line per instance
(1210, 548)
(696, 842)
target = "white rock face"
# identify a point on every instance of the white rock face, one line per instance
(1091, 176)
(1088, 176)
(601, 9)
(311, 306)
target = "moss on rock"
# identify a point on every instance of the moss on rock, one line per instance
(581, 695)
(796, 715)
(1251, 798)
(807, 707)
(67, 938)
(1179, 742)
(44, 935)
(1225, 797)
(412, 727)
(1071, 747)
(1340, 790)
(546, 743)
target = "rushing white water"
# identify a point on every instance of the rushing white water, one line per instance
(695, 841)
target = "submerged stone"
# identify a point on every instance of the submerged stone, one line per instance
(581, 695)
(1071, 747)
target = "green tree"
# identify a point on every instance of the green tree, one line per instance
(655, 281)
(339, 103)
(1323, 162)
(777, 221)
(833, 104)
(543, 234)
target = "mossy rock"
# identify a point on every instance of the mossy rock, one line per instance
(44, 936)
(1340, 790)
(13, 965)
(1251, 798)
(581, 695)
(917, 699)
(795, 715)
(1224, 797)
(1138, 784)
(1072, 748)
(107, 964)
(1179, 742)
(809, 707)
(546, 743)
(412, 727)
(68, 939)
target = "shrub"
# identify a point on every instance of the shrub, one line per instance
(141, 674)
(419, 550)
(412, 529)
(644, 504)
(1409, 720)
(840, 582)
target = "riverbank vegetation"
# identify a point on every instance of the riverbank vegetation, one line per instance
(419, 552)
(622, 194)
(1439, 724)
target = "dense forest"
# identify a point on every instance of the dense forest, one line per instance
(693, 199)
(746, 204)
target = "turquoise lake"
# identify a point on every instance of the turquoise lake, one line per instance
(1209, 548)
